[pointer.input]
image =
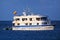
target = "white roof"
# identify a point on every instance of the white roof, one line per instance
(29, 16)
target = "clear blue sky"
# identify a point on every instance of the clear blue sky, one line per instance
(50, 8)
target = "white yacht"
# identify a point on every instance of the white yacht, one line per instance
(31, 22)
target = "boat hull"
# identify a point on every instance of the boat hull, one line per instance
(34, 28)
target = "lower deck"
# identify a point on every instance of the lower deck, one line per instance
(34, 28)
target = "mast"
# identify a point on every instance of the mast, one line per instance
(26, 11)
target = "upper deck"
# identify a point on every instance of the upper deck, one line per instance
(29, 19)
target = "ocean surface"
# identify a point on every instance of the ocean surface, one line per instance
(29, 35)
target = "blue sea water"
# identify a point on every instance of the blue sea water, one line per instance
(29, 35)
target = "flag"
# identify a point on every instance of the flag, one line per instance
(14, 12)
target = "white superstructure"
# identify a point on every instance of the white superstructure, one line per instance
(31, 22)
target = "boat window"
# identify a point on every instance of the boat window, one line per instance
(44, 23)
(30, 19)
(24, 19)
(37, 19)
(30, 23)
(26, 23)
(17, 19)
(37, 23)
(13, 24)
(18, 23)
(44, 18)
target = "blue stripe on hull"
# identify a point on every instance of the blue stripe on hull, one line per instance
(32, 26)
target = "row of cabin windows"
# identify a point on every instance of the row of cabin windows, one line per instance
(25, 24)
(43, 18)
(29, 23)
(38, 19)
(23, 19)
